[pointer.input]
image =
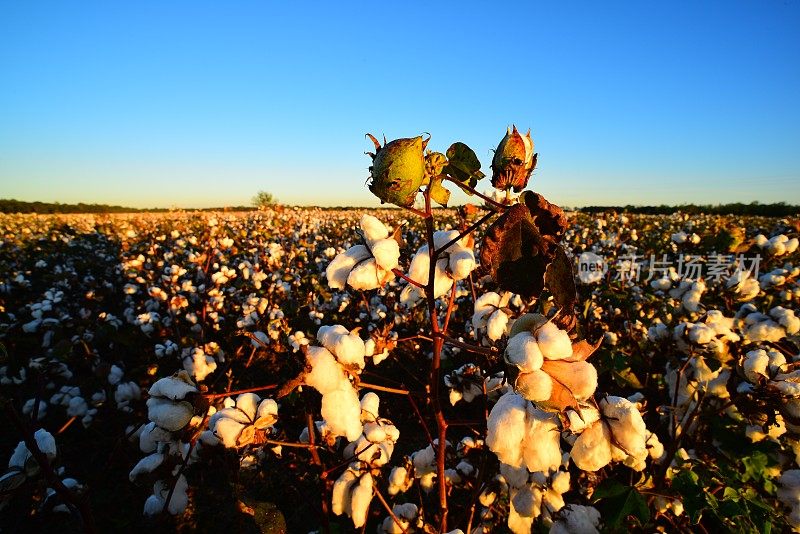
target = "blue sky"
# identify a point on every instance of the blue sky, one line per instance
(198, 104)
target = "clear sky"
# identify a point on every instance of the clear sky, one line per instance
(199, 104)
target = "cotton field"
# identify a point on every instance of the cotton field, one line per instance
(503, 366)
(270, 370)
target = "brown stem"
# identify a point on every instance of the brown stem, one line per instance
(466, 232)
(488, 200)
(434, 378)
(239, 391)
(411, 281)
(486, 351)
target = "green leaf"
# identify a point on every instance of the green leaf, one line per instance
(691, 492)
(439, 193)
(617, 502)
(463, 165)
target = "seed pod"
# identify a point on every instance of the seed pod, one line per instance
(513, 161)
(398, 170)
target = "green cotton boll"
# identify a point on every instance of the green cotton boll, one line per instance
(398, 170)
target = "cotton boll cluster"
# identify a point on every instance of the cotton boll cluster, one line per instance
(197, 363)
(352, 493)
(238, 423)
(614, 433)
(689, 293)
(549, 372)
(760, 327)
(22, 458)
(341, 408)
(404, 516)
(777, 245)
(453, 263)
(686, 388)
(168, 406)
(743, 286)
(348, 348)
(490, 317)
(366, 266)
(522, 435)
(375, 445)
(534, 495)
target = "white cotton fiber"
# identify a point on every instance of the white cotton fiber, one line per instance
(553, 342)
(326, 374)
(374, 229)
(339, 268)
(523, 351)
(359, 500)
(535, 386)
(341, 410)
(541, 449)
(364, 276)
(496, 325)
(387, 253)
(507, 428)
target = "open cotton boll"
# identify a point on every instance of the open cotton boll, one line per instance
(755, 365)
(339, 269)
(327, 335)
(178, 501)
(786, 318)
(592, 450)
(442, 237)
(461, 263)
(507, 428)
(341, 410)
(340, 493)
(627, 425)
(370, 403)
(151, 435)
(387, 253)
(365, 276)
(579, 377)
(199, 365)
(484, 307)
(148, 464)
(523, 351)
(374, 229)
(174, 387)
(359, 500)
(168, 414)
(535, 386)
(496, 325)
(326, 374)
(553, 342)
(350, 350)
(541, 449)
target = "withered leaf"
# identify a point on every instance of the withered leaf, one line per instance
(520, 244)
(560, 280)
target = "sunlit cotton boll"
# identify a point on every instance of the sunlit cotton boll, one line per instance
(339, 269)
(553, 342)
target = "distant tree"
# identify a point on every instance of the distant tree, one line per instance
(262, 199)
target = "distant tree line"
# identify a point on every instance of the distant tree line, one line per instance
(20, 206)
(778, 209)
